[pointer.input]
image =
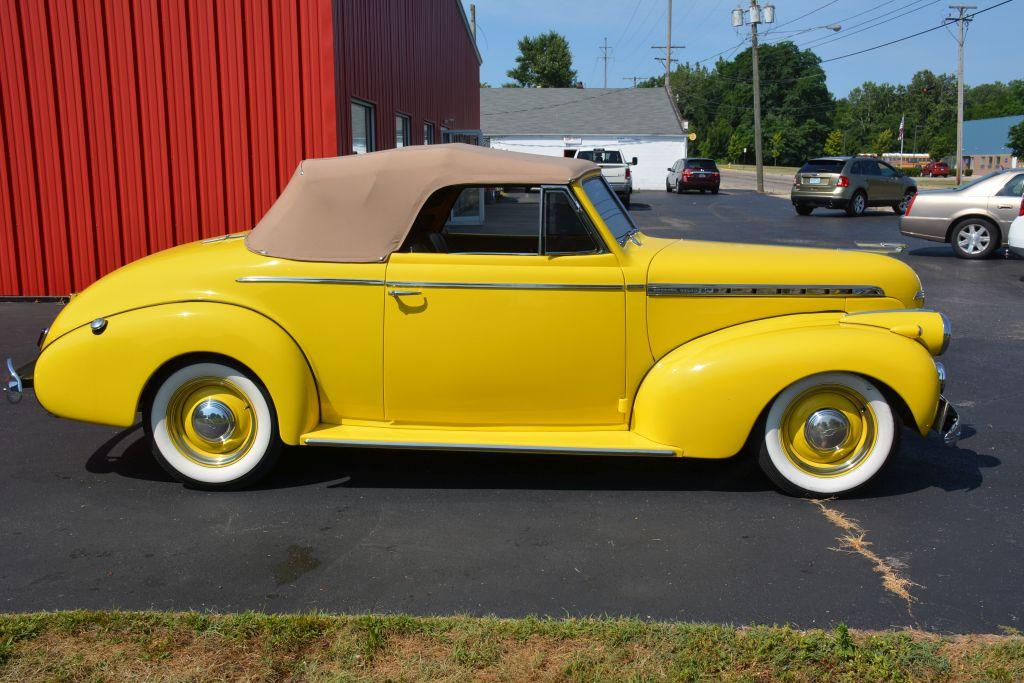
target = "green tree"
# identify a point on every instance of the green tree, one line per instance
(775, 148)
(794, 99)
(834, 143)
(882, 142)
(544, 61)
(1016, 141)
(740, 140)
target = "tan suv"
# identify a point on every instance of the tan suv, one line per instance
(850, 183)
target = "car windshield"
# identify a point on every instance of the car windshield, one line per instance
(823, 166)
(608, 206)
(703, 164)
(600, 156)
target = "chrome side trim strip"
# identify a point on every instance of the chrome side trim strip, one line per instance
(507, 285)
(488, 448)
(891, 310)
(765, 290)
(308, 280)
(635, 288)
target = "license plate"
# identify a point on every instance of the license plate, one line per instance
(702, 175)
(814, 181)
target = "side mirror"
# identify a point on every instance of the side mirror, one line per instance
(669, 169)
(634, 162)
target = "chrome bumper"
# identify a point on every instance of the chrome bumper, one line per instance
(18, 380)
(947, 422)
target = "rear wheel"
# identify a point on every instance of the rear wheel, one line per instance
(858, 202)
(803, 209)
(212, 426)
(714, 191)
(828, 434)
(626, 199)
(975, 238)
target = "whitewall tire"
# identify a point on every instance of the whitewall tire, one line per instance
(212, 426)
(828, 434)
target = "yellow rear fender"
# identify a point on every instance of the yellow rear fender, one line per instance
(101, 377)
(705, 396)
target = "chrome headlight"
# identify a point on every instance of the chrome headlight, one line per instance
(940, 370)
(947, 330)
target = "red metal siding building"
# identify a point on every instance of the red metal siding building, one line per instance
(129, 126)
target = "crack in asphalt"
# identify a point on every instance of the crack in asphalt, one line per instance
(854, 541)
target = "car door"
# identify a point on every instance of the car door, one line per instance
(1006, 203)
(891, 182)
(517, 321)
(878, 187)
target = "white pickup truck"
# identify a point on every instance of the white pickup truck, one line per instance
(614, 169)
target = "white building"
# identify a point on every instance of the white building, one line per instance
(640, 122)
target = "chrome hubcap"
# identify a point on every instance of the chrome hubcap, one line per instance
(826, 429)
(858, 204)
(973, 238)
(213, 421)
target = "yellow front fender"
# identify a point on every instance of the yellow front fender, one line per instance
(100, 377)
(706, 395)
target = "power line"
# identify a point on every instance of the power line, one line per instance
(628, 24)
(914, 35)
(802, 16)
(818, 42)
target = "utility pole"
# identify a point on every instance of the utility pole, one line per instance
(472, 20)
(668, 47)
(962, 20)
(756, 15)
(604, 48)
(632, 78)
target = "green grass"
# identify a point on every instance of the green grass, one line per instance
(99, 646)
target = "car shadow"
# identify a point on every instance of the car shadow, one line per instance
(921, 464)
(637, 206)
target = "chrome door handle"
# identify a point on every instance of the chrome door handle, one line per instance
(403, 292)
(1006, 206)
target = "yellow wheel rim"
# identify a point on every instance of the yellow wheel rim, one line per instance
(211, 422)
(828, 430)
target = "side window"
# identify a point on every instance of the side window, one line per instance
(887, 170)
(565, 231)
(363, 133)
(477, 220)
(857, 168)
(1014, 188)
(871, 167)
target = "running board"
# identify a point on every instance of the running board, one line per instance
(597, 442)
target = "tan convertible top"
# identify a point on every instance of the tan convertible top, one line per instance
(360, 208)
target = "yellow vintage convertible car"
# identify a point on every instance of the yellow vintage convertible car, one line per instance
(458, 298)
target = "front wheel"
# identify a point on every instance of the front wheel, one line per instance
(212, 426)
(827, 434)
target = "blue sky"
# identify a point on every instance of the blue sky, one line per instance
(703, 26)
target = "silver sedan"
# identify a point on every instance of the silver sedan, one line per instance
(974, 218)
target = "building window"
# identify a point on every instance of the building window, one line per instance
(363, 133)
(403, 128)
(428, 133)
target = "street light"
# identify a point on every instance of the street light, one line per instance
(756, 14)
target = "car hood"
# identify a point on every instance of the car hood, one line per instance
(717, 265)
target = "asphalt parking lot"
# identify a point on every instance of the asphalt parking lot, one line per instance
(88, 520)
